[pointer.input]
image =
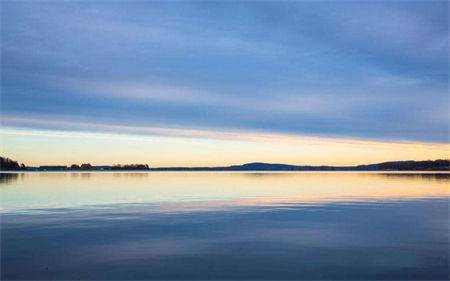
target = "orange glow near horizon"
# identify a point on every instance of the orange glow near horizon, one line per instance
(219, 189)
(204, 148)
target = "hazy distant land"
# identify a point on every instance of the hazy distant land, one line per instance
(7, 164)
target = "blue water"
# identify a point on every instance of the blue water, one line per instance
(392, 227)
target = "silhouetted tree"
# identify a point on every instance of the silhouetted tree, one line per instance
(74, 167)
(130, 167)
(7, 164)
(86, 166)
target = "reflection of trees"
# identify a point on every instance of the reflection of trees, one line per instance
(8, 178)
(83, 176)
(424, 176)
(268, 174)
(130, 175)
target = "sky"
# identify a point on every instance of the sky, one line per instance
(188, 83)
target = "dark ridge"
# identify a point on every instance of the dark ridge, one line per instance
(436, 165)
(7, 164)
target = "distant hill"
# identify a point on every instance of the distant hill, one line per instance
(436, 165)
(7, 164)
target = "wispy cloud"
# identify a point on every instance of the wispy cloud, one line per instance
(14, 123)
(102, 144)
(375, 70)
(288, 103)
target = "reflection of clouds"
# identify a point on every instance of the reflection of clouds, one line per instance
(130, 249)
(217, 190)
(325, 241)
(425, 176)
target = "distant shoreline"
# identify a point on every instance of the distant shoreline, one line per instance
(429, 165)
(237, 172)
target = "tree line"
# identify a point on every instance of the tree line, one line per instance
(7, 164)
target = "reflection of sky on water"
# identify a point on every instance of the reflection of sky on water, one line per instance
(63, 190)
(405, 240)
(391, 227)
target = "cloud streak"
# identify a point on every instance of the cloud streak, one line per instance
(105, 144)
(367, 70)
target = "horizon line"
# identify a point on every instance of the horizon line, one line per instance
(149, 167)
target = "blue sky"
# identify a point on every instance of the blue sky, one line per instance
(358, 70)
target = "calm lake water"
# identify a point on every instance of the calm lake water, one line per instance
(299, 225)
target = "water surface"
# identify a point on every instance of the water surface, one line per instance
(300, 225)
